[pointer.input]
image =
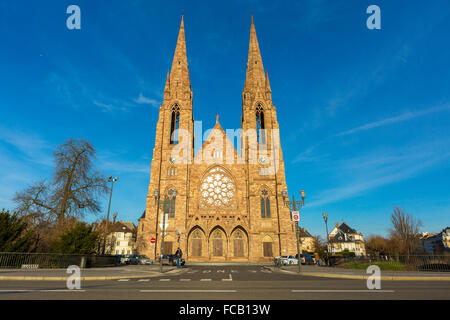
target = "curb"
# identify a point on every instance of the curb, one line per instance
(26, 278)
(365, 277)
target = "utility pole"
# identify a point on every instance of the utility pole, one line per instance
(294, 205)
(110, 179)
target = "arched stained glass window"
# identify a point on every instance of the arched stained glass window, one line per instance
(174, 124)
(265, 204)
(260, 125)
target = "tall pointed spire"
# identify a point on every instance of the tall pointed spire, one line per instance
(268, 82)
(179, 75)
(255, 70)
(167, 86)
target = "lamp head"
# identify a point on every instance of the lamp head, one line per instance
(156, 193)
(284, 193)
(302, 193)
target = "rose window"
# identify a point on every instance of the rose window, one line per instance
(217, 188)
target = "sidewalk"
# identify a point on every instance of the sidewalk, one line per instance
(112, 273)
(341, 273)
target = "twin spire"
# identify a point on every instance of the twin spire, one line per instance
(255, 74)
(179, 74)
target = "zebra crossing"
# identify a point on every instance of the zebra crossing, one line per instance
(202, 275)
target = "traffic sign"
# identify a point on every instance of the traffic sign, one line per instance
(152, 240)
(296, 216)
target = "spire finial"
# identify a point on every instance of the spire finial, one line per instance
(255, 76)
(180, 71)
(217, 117)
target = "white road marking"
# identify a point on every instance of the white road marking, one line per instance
(222, 271)
(146, 280)
(254, 271)
(164, 279)
(234, 271)
(185, 279)
(229, 279)
(123, 280)
(206, 271)
(217, 291)
(341, 291)
(42, 290)
(205, 279)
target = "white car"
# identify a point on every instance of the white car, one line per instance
(288, 260)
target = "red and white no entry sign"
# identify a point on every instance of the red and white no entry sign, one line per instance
(152, 240)
(295, 216)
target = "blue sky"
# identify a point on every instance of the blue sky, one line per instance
(364, 114)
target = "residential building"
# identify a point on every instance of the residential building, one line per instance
(436, 242)
(306, 240)
(343, 237)
(121, 238)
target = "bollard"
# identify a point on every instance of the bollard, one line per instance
(83, 263)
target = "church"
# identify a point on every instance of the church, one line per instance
(218, 204)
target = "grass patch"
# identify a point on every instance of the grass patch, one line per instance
(387, 266)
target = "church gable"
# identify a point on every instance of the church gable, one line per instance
(218, 148)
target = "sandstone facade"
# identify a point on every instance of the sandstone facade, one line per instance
(228, 204)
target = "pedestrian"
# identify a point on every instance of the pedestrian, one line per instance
(178, 254)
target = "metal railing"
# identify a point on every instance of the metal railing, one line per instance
(14, 260)
(436, 263)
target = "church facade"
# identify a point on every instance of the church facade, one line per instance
(218, 204)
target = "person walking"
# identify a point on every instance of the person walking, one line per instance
(178, 254)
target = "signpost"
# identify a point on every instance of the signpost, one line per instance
(163, 226)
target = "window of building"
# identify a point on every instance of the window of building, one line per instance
(265, 204)
(174, 124)
(217, 188)
(169, 204)
(260, 125)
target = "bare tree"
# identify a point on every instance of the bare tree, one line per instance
(73, 191)
(405, 229)
(377, 245)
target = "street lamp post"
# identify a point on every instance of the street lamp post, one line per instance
(325, 218)
(110, 179)
(156, 194)
(294, 204)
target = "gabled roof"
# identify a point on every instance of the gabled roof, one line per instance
(123, 226)
(346, 229)
(226, 145)
(304, 233)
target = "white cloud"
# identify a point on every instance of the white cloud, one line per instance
(378, 168)
(144, 100)
(403, 117)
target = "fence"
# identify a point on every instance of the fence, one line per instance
(13, 260)
(439, 263)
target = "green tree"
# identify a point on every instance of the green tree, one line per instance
(80, 239)
(14, 236)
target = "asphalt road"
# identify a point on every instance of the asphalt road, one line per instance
(226, 282)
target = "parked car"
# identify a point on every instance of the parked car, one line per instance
(171, 260)
(125, 258)
(288, 260)
(145, 260)
(133, 259)
(302, 256)
(307, 258)
(119, 258)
